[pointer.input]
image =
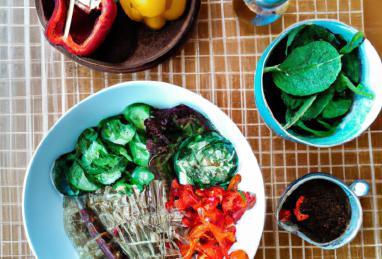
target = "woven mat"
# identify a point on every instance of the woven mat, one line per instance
(38, 84)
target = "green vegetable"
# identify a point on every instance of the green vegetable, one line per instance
(107, 177)
(311, 33)
(345, 81)
(137, 114)
(77, 178)
(318, 78)
(139, 151)
(85, 139)
(337, 108)
(142, 176)
(292, 102)
(122, 187)
(317, 133)
(352, 66)
(117, 132)
(206, 160)
(319, 104)
(308, 70)
(118, 150)
(326, 125)
(60, 180)
(292, 119)
(356, 41)
(291, 36)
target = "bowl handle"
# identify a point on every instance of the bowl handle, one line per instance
(360, 188)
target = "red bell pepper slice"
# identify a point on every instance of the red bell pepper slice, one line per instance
(297, 211)
(238, 254)
(56, 26)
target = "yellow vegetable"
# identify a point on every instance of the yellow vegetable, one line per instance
(174, 9)
(155, 23)
(131, 11)
(150, 8)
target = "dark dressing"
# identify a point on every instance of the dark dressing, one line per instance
(327, 207)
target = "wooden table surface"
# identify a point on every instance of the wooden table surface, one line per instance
(38, 85)
(373, 22)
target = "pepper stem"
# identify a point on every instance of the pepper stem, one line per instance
(69, 18)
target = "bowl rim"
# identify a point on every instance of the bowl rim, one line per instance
(265, 56)
(125, 84)
(102, 66)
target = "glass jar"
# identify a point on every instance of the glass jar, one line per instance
(260, 12)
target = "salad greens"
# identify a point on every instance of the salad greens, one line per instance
(129, 151)
(107, 154)
(206, 160)
(318, 78)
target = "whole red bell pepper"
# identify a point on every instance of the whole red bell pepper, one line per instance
(56, 26)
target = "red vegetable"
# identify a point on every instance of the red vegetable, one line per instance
(238, 254)
(285, 215)
(299, 215)
(211, 215)
(56, 26)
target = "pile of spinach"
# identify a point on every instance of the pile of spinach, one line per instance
(318, 78)
(114, 152)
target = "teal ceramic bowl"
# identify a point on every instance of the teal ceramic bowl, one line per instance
(357, 189)
(364, 110)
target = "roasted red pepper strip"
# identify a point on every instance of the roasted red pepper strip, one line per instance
(210, 214)
(299, 215)
(56, 26)
(238, 254)
(285, 215)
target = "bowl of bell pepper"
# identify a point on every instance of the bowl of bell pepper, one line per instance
(121, 37)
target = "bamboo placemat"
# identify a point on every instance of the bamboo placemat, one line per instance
(38, 84)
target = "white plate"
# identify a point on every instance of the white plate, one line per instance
(42, 204)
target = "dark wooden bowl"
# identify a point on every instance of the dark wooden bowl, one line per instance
(131, 46)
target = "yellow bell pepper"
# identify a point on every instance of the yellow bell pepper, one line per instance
(131, 11)
(150, 8)
(174, 9)
(154, 13)
(155, 23)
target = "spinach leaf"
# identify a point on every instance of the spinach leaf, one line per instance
(319, 104)
(355, 42)
(142, 176)
(206, 160)
(344, 80)
(307, 70)
(59, 175)
(137, 113)
(85, 139)
(325, 124)
(292, 117)
(317, 133)
(291, 36)
(352, 66)
(118, 150)
(339, 86)
(166, 129)
(94, 151)
(337, 108)
(117, 132)
(292, 102)
(77, 178)
(139, 151)
(314, 33)
(107, 178)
